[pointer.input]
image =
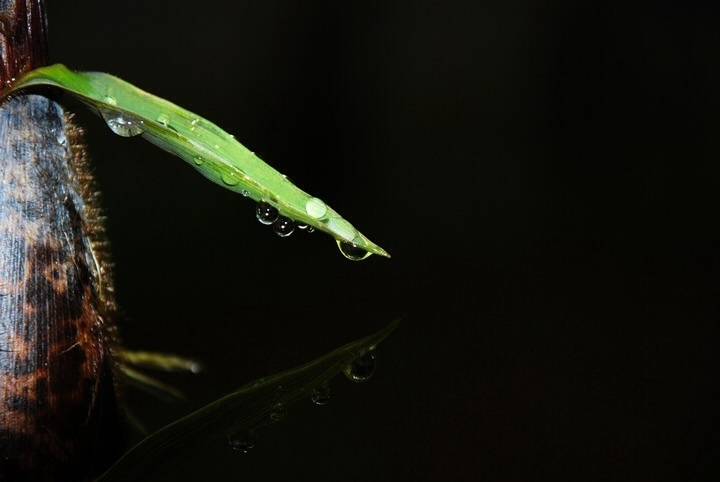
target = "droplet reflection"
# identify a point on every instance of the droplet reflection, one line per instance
(278, 412)
(321, 395)
(362, 368)
(241, 443)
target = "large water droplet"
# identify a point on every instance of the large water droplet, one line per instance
(283, 227)
(278, 412)
(266, 213)
(241, 443)
(352, 251)
(321, 394)
(362, 368)
(121, 125)
(315, 208)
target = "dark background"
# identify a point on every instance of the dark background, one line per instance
(544, 173)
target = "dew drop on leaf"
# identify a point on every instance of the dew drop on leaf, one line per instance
(266, 213)
(283, 227)
(163, 119)
(362, 368)
(122, 126)
(315, 208)
(230, 179)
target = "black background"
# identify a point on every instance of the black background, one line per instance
(545, 175)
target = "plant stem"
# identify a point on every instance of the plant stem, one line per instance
(23, 38)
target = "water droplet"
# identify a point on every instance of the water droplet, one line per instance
(110, 100)
(362, 368)
(310, 229)
(163, 119)
(241, 443)
(199, 161)
(352, 252)
(278, 412)
(321, 395)
(266, 214)
(193, 124)
(245, 193)
(121, 125)
(315, 208)
(230, 179)
(283, 227)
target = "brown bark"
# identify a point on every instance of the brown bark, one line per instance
(23, 38)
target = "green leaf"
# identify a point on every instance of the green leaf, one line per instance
(247, 408)
(212, 151)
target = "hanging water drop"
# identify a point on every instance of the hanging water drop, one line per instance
(278, 412)
(121, 125)
(352, 251)
(245, 193)
(321, 395)
(362, 368)
(315, 208)
(283, 227)
(266, 214)
(241, 443)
